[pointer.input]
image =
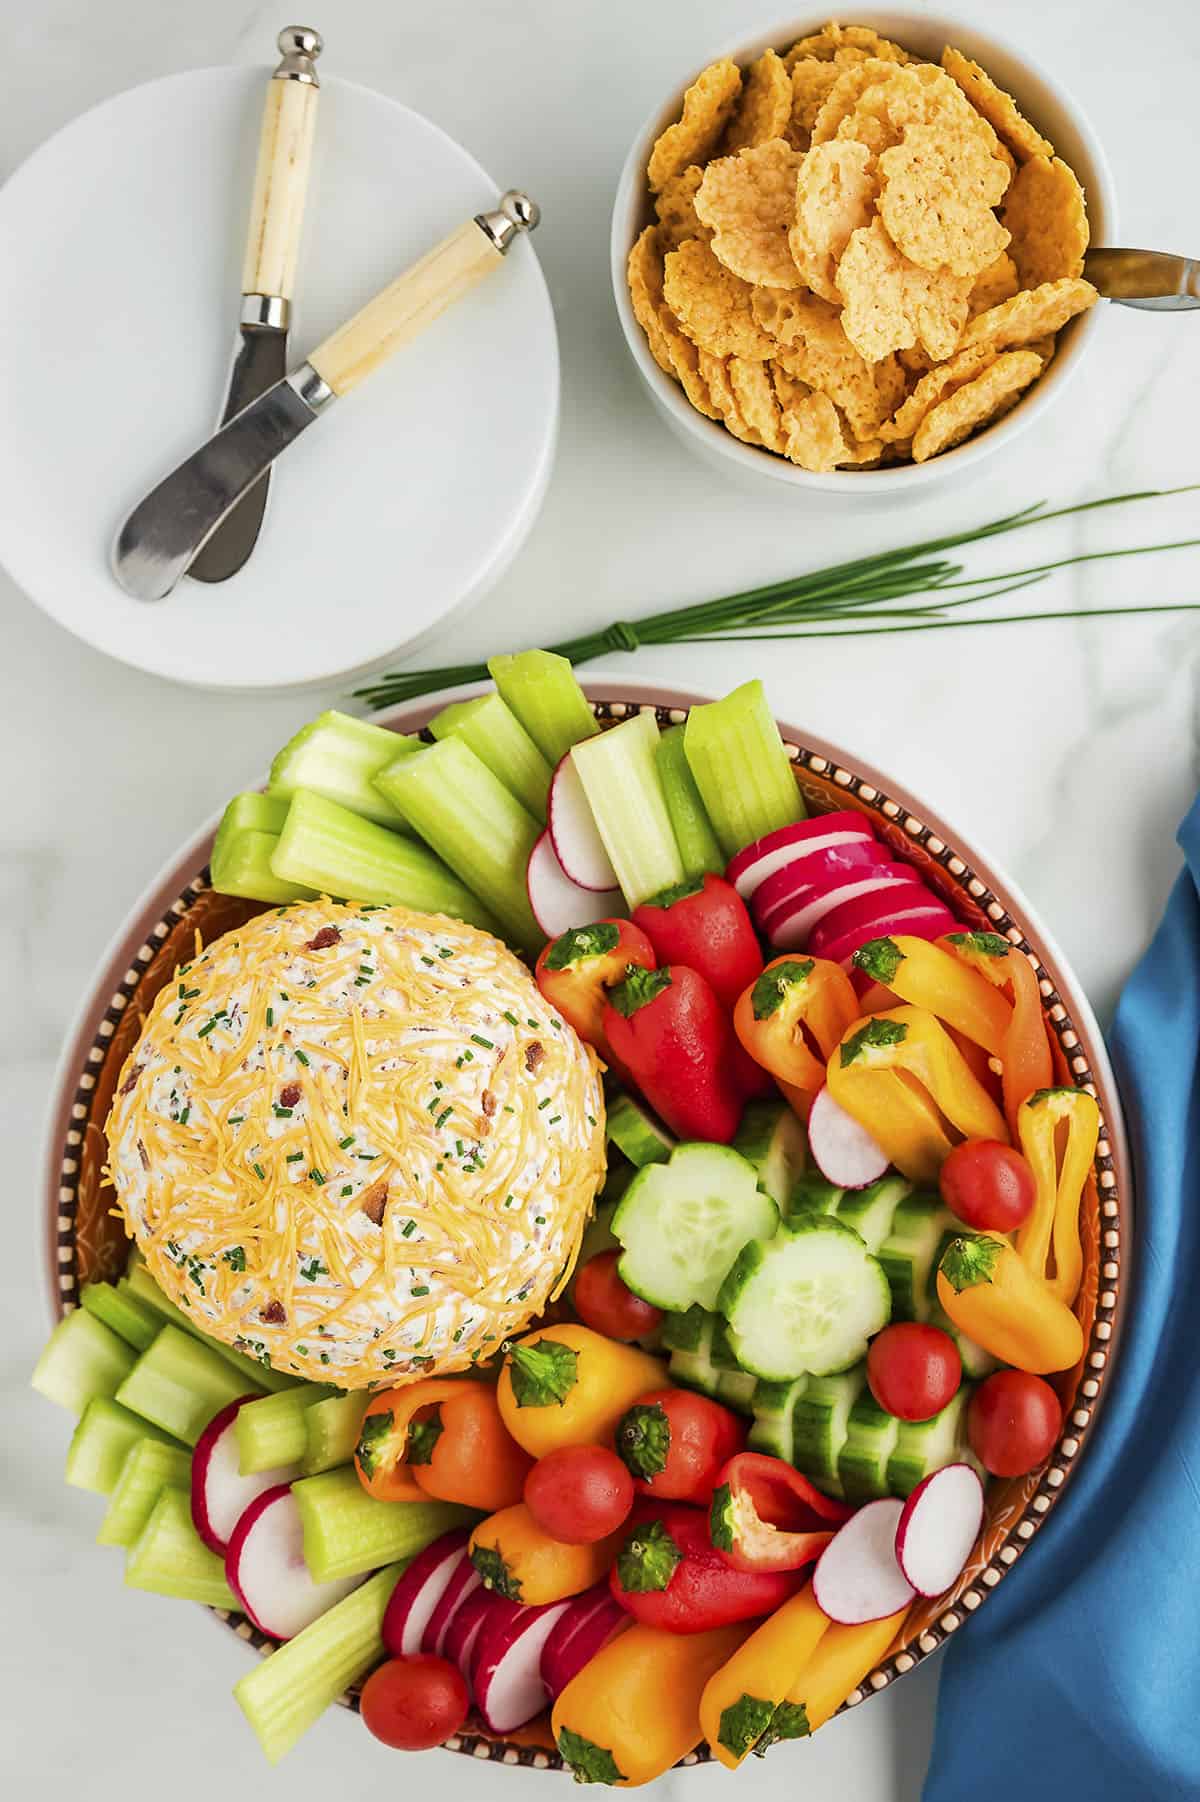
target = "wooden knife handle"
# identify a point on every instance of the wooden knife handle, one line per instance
(284, 159)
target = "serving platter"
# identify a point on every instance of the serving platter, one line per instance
(84, 1241)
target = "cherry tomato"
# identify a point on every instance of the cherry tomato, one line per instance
(675, 1443)
(1012, 1422)
(415, 1703)
(579, 1493)
(913, 1370)
(603, 1302)
(988, 1185)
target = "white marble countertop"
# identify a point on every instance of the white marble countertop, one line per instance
(1067, 751)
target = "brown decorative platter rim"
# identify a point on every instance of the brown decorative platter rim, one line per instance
(979, 894)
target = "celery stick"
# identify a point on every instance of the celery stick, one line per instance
(541, 689)
(332, 1430)
(254, 1375)
(341, 854)
(102, 1441)
(285, 1693)
(347, 1531)
(620, 778)
(83, 1358)
(741, 768)
(136, 1323)
(471, 820)
(697, 842)
(170, 1558)
(241, 865)
(339, 758)
(151, 1465)
(179, 1385)
(272, 1432)
(498, 738)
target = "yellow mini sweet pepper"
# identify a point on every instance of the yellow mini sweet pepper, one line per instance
(992, 1295)
(567, 1385)
(901, 1076)
(790, 1019)
(740, 1699)
(930, 976)
(1026, 1063)
(1048, 1242)
(843, 1657)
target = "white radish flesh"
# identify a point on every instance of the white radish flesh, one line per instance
(857, 1577)
(557, 902)
(265, 1568)
(418, 1592)
(817, 874)
(463, 1631)
(463, 1583)
(572, 827)
(506, 1669)
(939, 1527)
(843, 1151)
(751, 867)
(220, 1493)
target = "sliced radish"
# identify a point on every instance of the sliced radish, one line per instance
(464, 1630)
(818, 873)
(857, 1577)
(788, 844)
(584, 1630)
(843, 1151)
(939, 1527)
(577, 843)
(464, 1581)
(419, 1590)
(914, 912)
(506, 1669)
(559, 903)
(265, 1568)
(792, 920)
(220, 1493)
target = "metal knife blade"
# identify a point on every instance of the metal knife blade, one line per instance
(162, 535)
(1151, 279)
(259, 361)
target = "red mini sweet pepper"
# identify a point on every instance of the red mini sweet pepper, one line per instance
(668, 1574)
(576, 971)
(669, 1031)
(765, 1516)
(675, 1442)
(705, 925)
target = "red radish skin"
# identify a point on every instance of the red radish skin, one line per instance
(419, 1590)
(579, 1635)
(464, 1582)
(506, 1667)
(795, 923)
(843, 1151)
(265, 1568)
(751, 867)
(903, 909)
(557, 902)
(220, 1493)
(857, 1577)
(464, 1630)
(572, 828)
(817, 874)
(938, 1528)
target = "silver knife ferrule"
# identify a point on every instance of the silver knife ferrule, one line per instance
(313, 390)
(265, 312)
(515, 213)
(299, 48)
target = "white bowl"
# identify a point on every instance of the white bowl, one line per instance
(1047, 104)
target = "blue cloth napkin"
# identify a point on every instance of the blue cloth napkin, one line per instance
(1081, 1676)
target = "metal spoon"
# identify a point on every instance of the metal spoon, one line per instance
(1151, 279)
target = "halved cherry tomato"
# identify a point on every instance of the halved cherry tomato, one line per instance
(415, 1703)
(1012, 1422)
(603, 1302)
(913, 1370)
(579, 1493)
(989, 1186)
(675, 1442)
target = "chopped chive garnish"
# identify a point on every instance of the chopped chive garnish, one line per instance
(539, 1220)
(420, 1289)
(532, 1023)
(554, 1120)
(184, 1116)
(545, 1103)
(301, 1058)
(428, 961)
(509, 1200)
(324, 1357)
(283, 1113)
(443, 1117)
(591, 1119)
(408, 1229)
(477, 1038)
(316, 1177)
(236, 1119)
(259, 1172)
(294, 1157)
(345, 1144)
(348, 1190)
(443, 952)
(511, 1018)
(270, 1016)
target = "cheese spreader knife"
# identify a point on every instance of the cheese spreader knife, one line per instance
(163, 534)
(268, 272)
(1151, 279)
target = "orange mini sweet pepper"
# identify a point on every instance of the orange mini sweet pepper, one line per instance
(1025, 1052)
(996, 1299)
(1048, 1242)
(790, 1019)
(441, 1437)
(520, 1560)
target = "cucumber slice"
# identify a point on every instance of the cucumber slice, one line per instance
(910, 1253)
(871, 1211)
(695, 839)
(499, 740)
(813, 1194)
(284, 1694)
(132, 1319)
(541, 689)
(151, 1465)
(773, 1431)
(691, 1365)
(273, 1431)
(683, 1223)
(473, 823)
(741, 769)
(736, 1389)
(821, 1424)
(807, 1300)
(635, 1131)
(82, 1359)
(331, 1430)
(338, 758)
(179, 1384)
(923, 1446)
(347, 1531)
(102, 1441)
(142, 1286)
(170, 1558)
(331, 849)
(620, 779)
(773, 1139)
(862, 1463)
(688, 1332)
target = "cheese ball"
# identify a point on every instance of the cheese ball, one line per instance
(356, 1143)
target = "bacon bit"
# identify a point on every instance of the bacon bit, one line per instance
(274, 1314)
(328, 935)
(534, 1053)
(488, 1103)
(375, 1200)
(130, 1082)
(144, 1155)
(289, 1095)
